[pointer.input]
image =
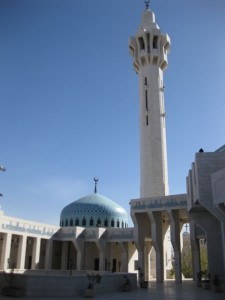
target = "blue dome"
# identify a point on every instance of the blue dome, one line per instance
(94, 211)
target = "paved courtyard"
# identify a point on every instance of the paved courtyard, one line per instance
(165, 291)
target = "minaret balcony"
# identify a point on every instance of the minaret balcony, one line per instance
(164, 62)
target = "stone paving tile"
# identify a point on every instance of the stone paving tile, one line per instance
(164, 291)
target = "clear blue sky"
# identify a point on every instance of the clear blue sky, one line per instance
(69, 98)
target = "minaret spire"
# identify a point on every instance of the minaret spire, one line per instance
(96, 182)
(147, 4)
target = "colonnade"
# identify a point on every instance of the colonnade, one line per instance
(21, 251)
(24, 252)
(154, 225)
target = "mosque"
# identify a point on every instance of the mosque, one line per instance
(93, 232)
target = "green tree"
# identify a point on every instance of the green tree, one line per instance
(204, 259)
(186, 264)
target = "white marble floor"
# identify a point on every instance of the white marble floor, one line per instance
(164, 291)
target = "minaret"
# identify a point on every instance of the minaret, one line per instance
(149, 49)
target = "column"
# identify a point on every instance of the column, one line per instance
(48, 254)
(195, 249)
(21, 256)
(175, 240)
(36, 253)
(148, 248)
(109, 263)
(64, 258)
(79, 245)
(157, 239)
(6, 247)
(101, 245)
(142, 231)
(124, 257)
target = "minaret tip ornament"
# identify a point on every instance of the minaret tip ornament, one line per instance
(96, 181)
(147, 4)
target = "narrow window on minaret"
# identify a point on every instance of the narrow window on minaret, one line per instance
(148, 42)
(155, 42)
(147, 120)
(146, 100)
(141, 43)
(146, 81)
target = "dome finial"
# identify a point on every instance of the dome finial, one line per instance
(96, 181)
(147, 4)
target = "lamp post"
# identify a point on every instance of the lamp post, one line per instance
(2, 168)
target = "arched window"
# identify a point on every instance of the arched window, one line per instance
(122, 224)
(71, 222)
(77, 222)
(141, 43)
(98, 222)
(112, 223)
(66, 223)
(91, 222)
(106, 223)
(155, 42)
(83, 221)
(118, 223)
(62, 223)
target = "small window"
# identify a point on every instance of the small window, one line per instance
(112, 223)
(118, 223)
(66, 223)
(155, 42)
(91, 222)
(146, 100)
(98, 222)
(62, 223)
(147, 120)
(77, 222)
(71, 222)
(122, 224)
(148, 43)
(106, 223)
(84, 222)
(146, 81)
(141, 43)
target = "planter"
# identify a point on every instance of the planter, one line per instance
(89, 293)
(12, 291)
(198, 283)
(205, 284)
(143, 284)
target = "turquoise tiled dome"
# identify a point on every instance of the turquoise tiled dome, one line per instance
(94, 211)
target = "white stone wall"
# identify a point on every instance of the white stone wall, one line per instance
(64, 285)
(218, 187)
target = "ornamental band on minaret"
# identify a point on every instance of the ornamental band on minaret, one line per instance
(149, 49)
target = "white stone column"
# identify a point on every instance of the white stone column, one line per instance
(195, 250)
(148, 248)
(48, 254)
(101, 260)
(64, 258)
(79, 245)
(101, 245)
(6, 247)
(109, 263)
(175, 240)
(21, 256)
(157, 239)
(124, 257)
(36, 253)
